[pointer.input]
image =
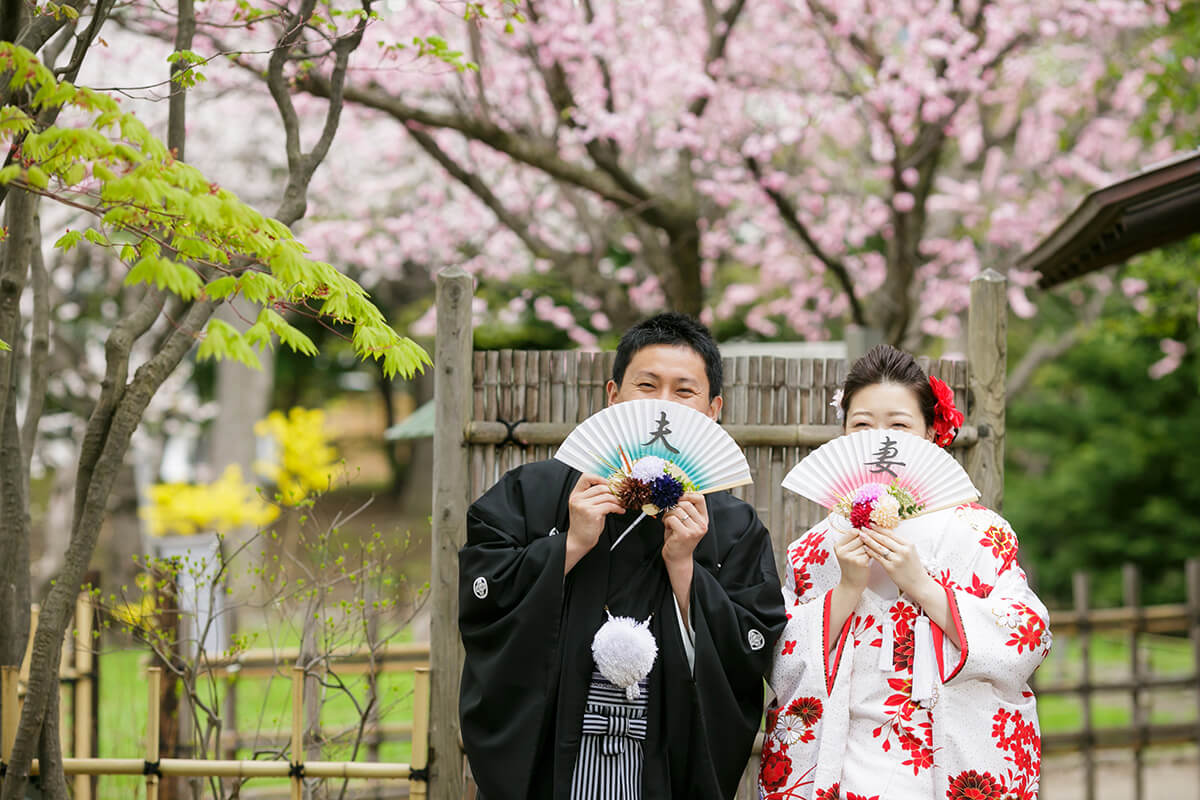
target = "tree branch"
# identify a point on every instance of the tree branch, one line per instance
(610, 102)
(865, 48)
(117, 348)
(477, 56)
(301, 166)
(293, 28)
(58, 43)
(519, 147)
(603, 152)
(719, 34)
(39, 346)
(185, 32)
(14, 271)
(40, 30)
(791, 218)
(537, 246)
(82, 44)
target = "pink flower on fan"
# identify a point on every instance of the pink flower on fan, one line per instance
(863, 504)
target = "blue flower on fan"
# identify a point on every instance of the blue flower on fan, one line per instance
(650, 484)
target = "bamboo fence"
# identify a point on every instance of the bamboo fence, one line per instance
(79, 687)
(297, 769)
(259, 663)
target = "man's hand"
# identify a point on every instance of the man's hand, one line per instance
(590, 503)
(683, 528)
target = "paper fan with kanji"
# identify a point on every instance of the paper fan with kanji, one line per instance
(651, 451)
(854, 471)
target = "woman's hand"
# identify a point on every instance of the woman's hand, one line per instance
(855, 561)
(904, 567)
(899, 559)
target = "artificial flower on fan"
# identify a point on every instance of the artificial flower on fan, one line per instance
(653, 451)
(650, 484)
(879, 505)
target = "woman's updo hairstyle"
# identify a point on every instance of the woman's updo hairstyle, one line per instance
(885, 364)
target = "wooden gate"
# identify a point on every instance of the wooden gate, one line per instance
(499, 409)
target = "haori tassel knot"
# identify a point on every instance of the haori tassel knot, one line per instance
(924, 674)
(624, 651)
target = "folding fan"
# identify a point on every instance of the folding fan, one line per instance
(612, 441)
(918, 472)
(652, 451)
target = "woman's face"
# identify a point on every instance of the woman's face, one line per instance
(886, 405)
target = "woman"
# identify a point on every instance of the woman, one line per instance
(938, 602)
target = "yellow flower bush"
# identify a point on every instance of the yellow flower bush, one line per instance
(305, 461)
(136, 615)
(188, 508)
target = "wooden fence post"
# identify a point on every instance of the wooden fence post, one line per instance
(1193, 607)
(987, 362)
(1081, 590)
(1132, 589)
(452, 398)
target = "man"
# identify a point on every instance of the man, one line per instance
(538, 577)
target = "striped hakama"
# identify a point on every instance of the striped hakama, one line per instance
(609, 766)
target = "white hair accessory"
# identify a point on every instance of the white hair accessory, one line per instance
(836, 404)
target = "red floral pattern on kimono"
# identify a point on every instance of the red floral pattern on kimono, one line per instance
(842, 688)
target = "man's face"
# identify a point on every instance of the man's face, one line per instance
(666, 372)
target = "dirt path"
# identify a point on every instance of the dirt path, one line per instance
(1170, 776)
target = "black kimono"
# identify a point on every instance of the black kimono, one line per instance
(528, 635)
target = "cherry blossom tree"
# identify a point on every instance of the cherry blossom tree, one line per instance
(791, 163)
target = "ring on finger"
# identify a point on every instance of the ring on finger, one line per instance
(887, 554)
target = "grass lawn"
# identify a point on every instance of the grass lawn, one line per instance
(263, 706)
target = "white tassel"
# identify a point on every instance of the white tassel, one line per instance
(888, 647)
(624, 651)
(923, 663)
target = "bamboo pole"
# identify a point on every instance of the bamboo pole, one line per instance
(453, 395)
(418, 787)
(11, 715)
(84, 661)
(216, 768)
(745, 434)
(297, 750)
(264, 661)
(154, 687)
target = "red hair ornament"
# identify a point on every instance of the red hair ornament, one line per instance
(946, 418)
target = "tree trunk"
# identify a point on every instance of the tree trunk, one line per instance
(20, 208)
(687, 293)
